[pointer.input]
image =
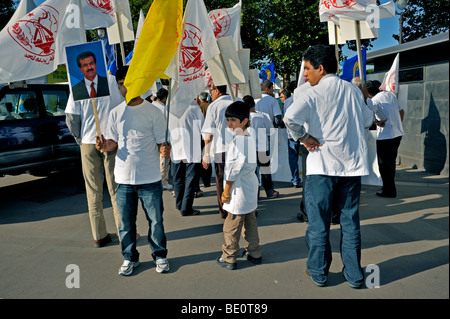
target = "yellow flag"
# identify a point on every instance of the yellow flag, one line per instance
(157, 44)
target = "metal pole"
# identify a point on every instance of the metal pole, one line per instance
(358, 46)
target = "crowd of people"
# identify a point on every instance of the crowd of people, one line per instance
(327, 122)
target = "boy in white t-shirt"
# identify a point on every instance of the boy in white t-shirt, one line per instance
(137, 131)
(240, 195)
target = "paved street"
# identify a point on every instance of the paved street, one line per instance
(44, 228)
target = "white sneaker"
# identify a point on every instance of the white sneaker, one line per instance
(127, 267)
(162, 265)
(168, 187)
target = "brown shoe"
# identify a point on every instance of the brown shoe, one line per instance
(106, 240)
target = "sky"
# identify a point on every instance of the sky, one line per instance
(388, 27)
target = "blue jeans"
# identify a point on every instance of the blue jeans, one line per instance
(150, 195)
(323, 195)
(293, 148)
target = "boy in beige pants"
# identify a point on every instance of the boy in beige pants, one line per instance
(240, 193)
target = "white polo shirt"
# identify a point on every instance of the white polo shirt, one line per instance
(216, 123)
(336, 115)
(389, 105)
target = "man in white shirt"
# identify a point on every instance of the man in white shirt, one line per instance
(185, 137)
(215, 131)
(136, 130)
(389, 136)
(330, 119)
(96, 166)
(164, 163)
(293, 146)
(268, 104)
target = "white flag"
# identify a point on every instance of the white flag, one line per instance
(98, 13)
(35, 44)
(390, 81)
(122, 11)
(197, 46)
(22, 10)
(331, 10)
(227, 23)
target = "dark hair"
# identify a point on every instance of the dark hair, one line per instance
(266, 85)
(238, 110)
(84, 55)
(321, 54)
(222, 88)
(373, 87)
(121, 73)
(162, 93)
(249, 100)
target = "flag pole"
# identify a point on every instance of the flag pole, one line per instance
(119, 25)
(336, 46)
(358, 46)
(169, 98)
(227, 77)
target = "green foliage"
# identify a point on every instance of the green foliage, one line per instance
(6, 12)
(424, 18)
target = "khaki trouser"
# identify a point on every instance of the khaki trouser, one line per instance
(233, 226)
(97, 167)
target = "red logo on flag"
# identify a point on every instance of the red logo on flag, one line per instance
(36, 33)
(191, 53)
(105, 6)
(221, 22)
(339, 4)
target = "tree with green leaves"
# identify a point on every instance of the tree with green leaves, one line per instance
(6, 12)
(423, 18)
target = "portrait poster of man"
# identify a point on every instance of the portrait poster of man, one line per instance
(86, 68)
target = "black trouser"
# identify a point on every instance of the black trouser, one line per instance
(185, 180)
(387, 154)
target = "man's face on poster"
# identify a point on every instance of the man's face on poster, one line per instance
(88, 67)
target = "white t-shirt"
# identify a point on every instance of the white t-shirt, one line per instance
(137, 131)
(240, 165)
(389, 105)
(185, 135)
(216, 123)
(104, 106)
(336, 115)
(268, 105)
(260, 128)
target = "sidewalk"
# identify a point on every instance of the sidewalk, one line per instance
(406, 238)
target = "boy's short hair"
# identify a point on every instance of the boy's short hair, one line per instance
(162, 93)
(121, 73)
(238, 110)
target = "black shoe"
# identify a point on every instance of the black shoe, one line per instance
(224, 264)
(193, 213)
(302, 218)
(296, 185)
(256, 261)
(385, 194)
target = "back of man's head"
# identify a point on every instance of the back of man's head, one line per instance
(266, 85)
(321, 54)
(373, 87)
(121, 73)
